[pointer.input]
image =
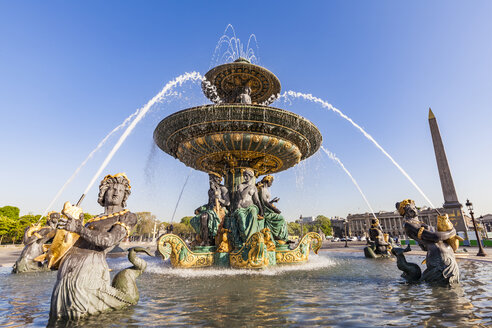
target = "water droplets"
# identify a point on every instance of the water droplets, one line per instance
(230, 48)
(339, 162)
(310, 97)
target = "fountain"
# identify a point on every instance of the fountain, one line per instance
(239, 137)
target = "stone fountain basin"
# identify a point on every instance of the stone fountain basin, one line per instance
(332, 289)
(221, 136)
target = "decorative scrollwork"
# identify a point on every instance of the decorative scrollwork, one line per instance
(170, 245)
(311, 240)
(253, 254)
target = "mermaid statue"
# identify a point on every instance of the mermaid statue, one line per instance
(442, 268)
(35, 239)
(83, 284)
(273, 219)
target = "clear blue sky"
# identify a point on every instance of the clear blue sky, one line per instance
(72, 71)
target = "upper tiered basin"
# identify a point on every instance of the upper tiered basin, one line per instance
(223, 136)
(229, 79)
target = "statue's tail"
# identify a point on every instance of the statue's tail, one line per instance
(125, 280)
(138, 263)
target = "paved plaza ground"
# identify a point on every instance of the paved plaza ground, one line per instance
(9, 253)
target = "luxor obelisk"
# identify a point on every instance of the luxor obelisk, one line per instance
(451, 204)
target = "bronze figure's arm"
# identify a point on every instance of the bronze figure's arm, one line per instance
(257, 202)
(267, 203)
(436, 236)
(102, 239)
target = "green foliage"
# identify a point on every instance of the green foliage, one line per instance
(162, 226)
(87, 216)
(7, 228)
(182, 229)
(294, 228)
(186, 220)
(320, 223)
(324, 224)
(145, 224)
(12, 230)
(10, 212)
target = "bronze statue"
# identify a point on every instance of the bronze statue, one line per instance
(273, 219)
(442, 268)
(379, 245)
(411, 271)
(209, 218)
(35, 239)
(83, 282)
(247, 217)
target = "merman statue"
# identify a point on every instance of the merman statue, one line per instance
(379, 246)
(442, 268)
(83, 284)
(35, 238)
(247, 217)
(273, 219)
(209, 217)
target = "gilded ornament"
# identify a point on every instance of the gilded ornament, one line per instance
(311, 240)
(253, 254)
(181, 255)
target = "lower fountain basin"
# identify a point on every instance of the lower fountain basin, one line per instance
(332, 289)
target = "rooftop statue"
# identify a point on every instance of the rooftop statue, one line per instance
(35, 239)
(210, 216)
(442, 268)
(83, 283)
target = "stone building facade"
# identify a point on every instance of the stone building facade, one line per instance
(338, 227)
(391, 222)
(486, 222)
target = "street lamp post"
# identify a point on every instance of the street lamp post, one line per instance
(346, 236)
(479, 240)
(302, 226)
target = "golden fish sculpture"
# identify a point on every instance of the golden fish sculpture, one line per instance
(444, 224)
(63, 240)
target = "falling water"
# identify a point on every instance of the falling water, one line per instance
(325, 104)
(339, 162)
(234, 48)
(141, 114)
(103, 141)
(159, 97)
(181, 194)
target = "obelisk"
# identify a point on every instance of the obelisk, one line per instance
(451, 204)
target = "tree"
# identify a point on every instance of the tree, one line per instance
(324, 224)
(87, 216)
(145, 224)
(10, 212)
(7, 226)
(294, 228)
(183, 230)
(186, 220)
